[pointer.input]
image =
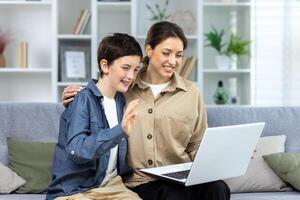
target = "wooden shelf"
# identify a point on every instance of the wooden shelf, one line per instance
(74, 37)
(63, 84)
(228, 71)
(26, 70)
(24, 3)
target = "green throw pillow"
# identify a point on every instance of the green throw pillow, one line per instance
(286, 166)
(33, 162)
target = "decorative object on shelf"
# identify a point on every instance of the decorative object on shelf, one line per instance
(220, 95)
(214, 39)
(75, 61)
(232, 90)
(159, 13)
(22, 54)
(5, 39)
(237, 47)
(227, 57)
(82, 22)
(186, 20)
(186, 66)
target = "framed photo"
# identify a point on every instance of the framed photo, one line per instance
(74, 61)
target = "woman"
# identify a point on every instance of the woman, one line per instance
(171, 122)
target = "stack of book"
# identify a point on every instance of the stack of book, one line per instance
(82, 22)
(22, 54)
(186, 66)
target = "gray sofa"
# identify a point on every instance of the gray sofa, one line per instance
(39, 122)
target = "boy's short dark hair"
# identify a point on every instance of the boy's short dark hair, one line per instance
(115, 46)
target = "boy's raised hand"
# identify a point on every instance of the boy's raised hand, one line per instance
(129, 116)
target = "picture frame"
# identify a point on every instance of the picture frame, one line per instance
(74, 61)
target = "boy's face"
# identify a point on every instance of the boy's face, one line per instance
(122, 72)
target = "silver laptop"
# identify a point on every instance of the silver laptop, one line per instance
(224, 152)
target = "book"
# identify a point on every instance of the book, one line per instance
(181, 66)
(25, 54)
(85, 22)
(19, 54)
(22, 54)
(77, 22)
(189, 65)
(80, 24)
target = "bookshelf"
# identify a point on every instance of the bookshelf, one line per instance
(42, 80)
(233, 16)
(34, 83)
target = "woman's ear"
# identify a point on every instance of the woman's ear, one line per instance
(104, 66)
(148, 50)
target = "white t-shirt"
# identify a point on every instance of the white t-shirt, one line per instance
(156, 89)
(110, 109)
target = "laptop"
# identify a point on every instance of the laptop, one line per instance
(224, 152)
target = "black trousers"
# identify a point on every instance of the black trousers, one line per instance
(165, 190)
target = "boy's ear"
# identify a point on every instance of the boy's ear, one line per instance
(104, 66)
(148, 50)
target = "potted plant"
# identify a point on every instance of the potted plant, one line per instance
(4, 41)
(237, 47)
(158, 13)
(227, 56)
(214, 39)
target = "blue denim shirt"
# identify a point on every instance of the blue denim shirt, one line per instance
(85, 139)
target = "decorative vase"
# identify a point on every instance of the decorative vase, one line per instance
(223, 62)
(233, 62)
(220, 95)
(232, 90)
(2, 60)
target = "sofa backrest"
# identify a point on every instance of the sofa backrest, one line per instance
(40, 122)
(279, 120)
(28, 122)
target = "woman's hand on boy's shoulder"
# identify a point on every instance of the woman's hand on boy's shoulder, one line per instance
(69, 93)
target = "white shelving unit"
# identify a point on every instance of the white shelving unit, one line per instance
(52, 21)
(28, 21)
(235, 17)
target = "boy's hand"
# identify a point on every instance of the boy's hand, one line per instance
(129, 116)
(69, 93)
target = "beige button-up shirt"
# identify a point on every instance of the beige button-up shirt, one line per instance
(168, 129)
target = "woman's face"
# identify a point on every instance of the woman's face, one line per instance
(165, 57)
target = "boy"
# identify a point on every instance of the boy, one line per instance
(92, 144)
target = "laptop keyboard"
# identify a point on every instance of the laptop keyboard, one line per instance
(178, 175)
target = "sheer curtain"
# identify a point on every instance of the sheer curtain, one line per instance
(276, 55)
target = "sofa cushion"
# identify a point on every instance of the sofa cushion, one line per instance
(28, 122)
(266, 196)
(9, 180)
(23, 197)
(286, 166)
(259, 176)
(33, 162)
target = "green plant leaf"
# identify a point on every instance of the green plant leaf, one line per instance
(214, 39)
(237, 46)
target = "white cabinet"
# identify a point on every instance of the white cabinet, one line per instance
(48, 26)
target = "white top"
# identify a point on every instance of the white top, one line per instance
(156, 89)
(110, 109)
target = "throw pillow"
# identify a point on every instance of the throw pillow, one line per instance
(286, 166)
(33, 162)
(9, 180)
(259, 177)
